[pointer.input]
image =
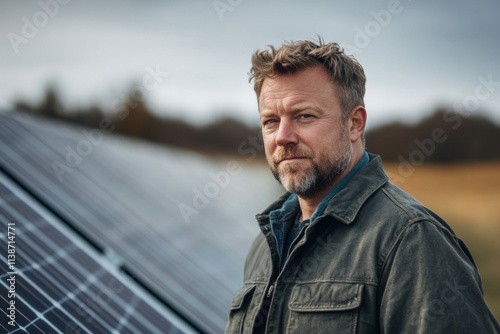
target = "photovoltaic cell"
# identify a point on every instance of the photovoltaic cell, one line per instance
(64, 286)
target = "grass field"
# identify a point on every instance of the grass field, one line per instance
(467, 196)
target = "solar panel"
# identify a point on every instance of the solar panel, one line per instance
(124, 198)
(57, 283)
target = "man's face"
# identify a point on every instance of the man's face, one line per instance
(307, 142)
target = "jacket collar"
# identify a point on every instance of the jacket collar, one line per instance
(345, 205)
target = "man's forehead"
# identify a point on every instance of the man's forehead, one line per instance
(296, 89)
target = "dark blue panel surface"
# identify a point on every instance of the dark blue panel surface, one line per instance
(57, 284)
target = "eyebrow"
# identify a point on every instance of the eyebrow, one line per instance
(305, 106)
(301, 106)
(295, 109)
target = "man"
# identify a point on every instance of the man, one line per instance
(344, 251)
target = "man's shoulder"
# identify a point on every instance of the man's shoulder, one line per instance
(392, 211)
(397, 202)
(372, 197)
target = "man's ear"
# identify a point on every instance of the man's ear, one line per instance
(357, 123)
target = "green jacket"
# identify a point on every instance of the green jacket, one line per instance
(376, 261)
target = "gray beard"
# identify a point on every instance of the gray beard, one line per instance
(317, 178)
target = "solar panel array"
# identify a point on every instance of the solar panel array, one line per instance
(123, 198)
(58, 284)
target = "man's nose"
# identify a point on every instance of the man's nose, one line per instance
(286, 134)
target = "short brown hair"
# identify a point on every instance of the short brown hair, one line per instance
(292, 57)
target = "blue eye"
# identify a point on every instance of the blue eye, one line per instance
(270, 121)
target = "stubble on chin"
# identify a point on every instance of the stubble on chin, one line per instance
(306, 177)
(295, 177)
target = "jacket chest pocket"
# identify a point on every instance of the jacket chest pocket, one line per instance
(240, 310)
(324, 307)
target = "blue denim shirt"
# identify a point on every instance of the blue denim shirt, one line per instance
(281, 219)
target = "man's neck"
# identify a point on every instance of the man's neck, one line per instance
(309, 205)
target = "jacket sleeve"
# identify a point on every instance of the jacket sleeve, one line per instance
(429, 284)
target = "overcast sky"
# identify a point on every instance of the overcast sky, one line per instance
(417, 54)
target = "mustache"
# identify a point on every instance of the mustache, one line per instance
(289, 153)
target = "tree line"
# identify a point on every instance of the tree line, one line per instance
(444, 136)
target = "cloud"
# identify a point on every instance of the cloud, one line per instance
(429, 53)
